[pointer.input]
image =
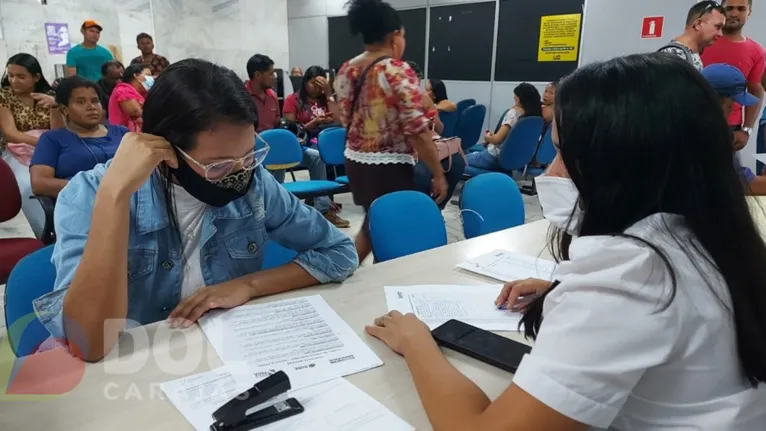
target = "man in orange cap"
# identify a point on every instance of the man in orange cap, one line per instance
(85, 60)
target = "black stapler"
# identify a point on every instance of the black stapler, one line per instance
(233, 416)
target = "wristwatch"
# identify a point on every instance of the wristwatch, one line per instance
(748, 130)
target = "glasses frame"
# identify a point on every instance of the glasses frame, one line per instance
(258, 154)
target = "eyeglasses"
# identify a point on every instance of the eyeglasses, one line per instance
(215, 172)
(711, 5)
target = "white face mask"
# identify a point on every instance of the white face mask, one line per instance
(559, 196)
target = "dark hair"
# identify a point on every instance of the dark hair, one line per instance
(189, 97)
(30, 63)
(373, 19)
(529, 98)
(143, 36)
(258, 63)
(303, 95)
(105, 67)
(439, 90)
(416, 68)
(68, 85)
(131, 71)
(723, 3)
(682, 139)
(701, 9)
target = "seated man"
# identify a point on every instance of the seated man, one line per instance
(170, 230)
(731, 86)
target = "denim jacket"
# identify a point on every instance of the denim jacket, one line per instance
(231, 246)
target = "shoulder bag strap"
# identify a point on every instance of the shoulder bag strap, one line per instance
(358, 87)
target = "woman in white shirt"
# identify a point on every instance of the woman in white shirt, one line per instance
(657, 320)
(527, 104)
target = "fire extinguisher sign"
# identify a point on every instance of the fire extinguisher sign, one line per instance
(652, 27)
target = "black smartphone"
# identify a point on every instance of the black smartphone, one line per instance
(480, 344)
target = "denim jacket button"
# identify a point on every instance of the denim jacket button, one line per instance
(252, 247)
(167, 265)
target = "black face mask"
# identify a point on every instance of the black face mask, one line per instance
(218, 194)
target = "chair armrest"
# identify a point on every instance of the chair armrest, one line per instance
(49, 232)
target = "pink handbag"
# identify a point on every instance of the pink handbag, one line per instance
(446, 147)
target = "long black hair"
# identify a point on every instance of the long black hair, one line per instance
(632, 153)
(30, 63)
(373, 19)
(439, 90)
(189, 97)
(303, 94)
(530, 100)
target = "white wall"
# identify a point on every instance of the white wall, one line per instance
(224, 31)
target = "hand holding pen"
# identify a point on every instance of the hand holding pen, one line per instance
(517, 295)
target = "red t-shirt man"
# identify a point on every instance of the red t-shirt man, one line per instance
(747, 56)
(268, 108)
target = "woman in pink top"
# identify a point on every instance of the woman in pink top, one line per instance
(126, 103)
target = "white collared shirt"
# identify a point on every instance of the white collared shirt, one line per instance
(611, 355)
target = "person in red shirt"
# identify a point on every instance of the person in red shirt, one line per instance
(260, 69)
(313, 105)
(746, 55)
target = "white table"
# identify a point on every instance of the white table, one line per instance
(106, 401)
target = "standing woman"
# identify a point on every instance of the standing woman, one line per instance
(313, 105)
(27, 109)
(126, 104)
(382, 107)
(656, 320)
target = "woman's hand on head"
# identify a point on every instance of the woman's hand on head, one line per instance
(513, 295)
(225, 295)
(324, 84)
(399, 331)
(136, 158)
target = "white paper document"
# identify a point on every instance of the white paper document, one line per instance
(303, 337)
(509, 266)
(436, 304)
(335, 405)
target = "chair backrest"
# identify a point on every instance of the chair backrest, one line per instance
(500, 121)
(403, 223)
(285, 151)
(470, 125)
(546, 152)
(449, 119)
(332, 145)
(10, 195)
(465, 104)
(521, 143)
(275, 255)
(490, 203)
(30, 279)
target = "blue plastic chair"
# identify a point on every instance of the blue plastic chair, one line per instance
(286, 152)
(275, 255)
(518, 149)
(545, 155)
(461, 107)
(30, 279)
(449, 119)
(490, 203)
(470, 125)
(404, 223)
(332, 145)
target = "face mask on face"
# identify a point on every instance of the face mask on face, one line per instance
(217, 194)
(148, 82)
(559, 197)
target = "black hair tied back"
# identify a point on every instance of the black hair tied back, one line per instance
(373, 19)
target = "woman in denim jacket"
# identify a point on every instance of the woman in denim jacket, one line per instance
(176, 223)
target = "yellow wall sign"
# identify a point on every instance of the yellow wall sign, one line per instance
(559, 37)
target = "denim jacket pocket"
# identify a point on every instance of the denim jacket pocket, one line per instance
(141, 262)
(245, 248)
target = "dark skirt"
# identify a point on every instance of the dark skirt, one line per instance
(369, 182)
